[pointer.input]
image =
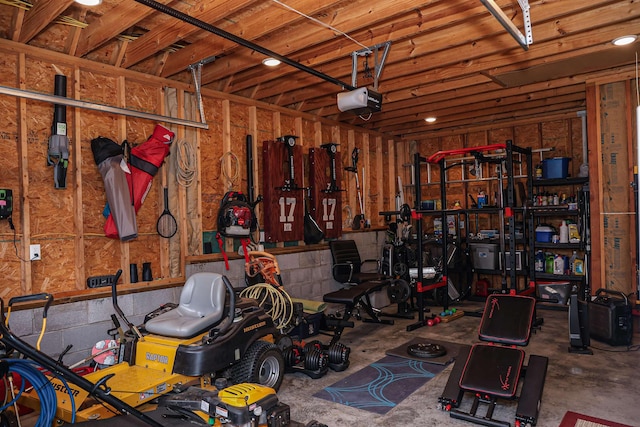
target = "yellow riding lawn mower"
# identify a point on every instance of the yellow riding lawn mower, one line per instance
(211, 359)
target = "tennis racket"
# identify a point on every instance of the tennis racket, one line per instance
(167, 226)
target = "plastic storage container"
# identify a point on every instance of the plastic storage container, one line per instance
(544, 233)
(554, 292)
(557, 167)
(484, 256)
(428, 205)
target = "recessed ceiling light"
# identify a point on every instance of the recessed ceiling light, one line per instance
(430, 119)
(271, 62)
(624, 40)
(89, 2)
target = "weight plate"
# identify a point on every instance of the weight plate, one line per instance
(398, 291)
(426, 350)
(399, 269)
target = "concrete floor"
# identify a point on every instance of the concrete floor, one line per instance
(602, 385)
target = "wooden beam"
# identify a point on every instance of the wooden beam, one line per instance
(256, 153)
(250, 27)
(74, 36)
(121, 132)
(385, 21)
(438, 61)
(76, 167)
(108, 26)
(378, 184)
(40, 15)
(26, 283)
(352, 196)
(174, 30)
(500, 100)
(226, 147)
(171, 103)
(17, 21)
(364, 169)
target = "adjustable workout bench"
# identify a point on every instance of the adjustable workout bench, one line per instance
(491, 371)
(353, 298)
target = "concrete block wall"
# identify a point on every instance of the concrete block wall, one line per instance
(305, 275)
(84, 323)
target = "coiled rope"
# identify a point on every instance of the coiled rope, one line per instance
(186, 163)
(275, 301)
(234, 164)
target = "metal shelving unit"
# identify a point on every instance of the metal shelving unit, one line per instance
(500, 156)
(581, 215)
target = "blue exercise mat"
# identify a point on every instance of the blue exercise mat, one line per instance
(382, 385)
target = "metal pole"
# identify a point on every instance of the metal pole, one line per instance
(20, 93)
(242, 42)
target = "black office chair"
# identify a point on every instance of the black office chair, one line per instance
(348, 265)
(359, 285)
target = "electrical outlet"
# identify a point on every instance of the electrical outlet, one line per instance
(34, 253)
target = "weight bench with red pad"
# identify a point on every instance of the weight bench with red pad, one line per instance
(493, 370)
(353, 298)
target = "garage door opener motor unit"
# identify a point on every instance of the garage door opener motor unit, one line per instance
(360, 101)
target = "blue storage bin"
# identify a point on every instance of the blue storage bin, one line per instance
(544, 234)
(557, 167)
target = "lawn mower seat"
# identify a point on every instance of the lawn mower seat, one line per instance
(201, 305)
(347, 264)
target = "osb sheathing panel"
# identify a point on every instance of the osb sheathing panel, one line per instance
(326, 132)
(307, 140)
(10, 179)
(6, 16)
(370, 179)
(308, 135)
(146, 247)
(454, 191)
(556, 134)
(346, 149)
(615, 185)
(265, 127)
(500, 136)
(353, 196)
(388, 167)
(476, 139)
(99, 88)
(52, 216)
(53, 37)
(528, 136)
(101, 255)
(210, 153)
(576, 146)
(287, 125)
(239, 131)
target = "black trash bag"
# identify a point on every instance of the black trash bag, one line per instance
(312, 232)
